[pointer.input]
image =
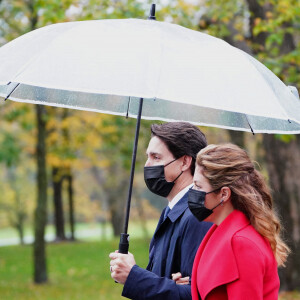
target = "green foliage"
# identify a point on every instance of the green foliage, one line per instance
(16, 113)
(9, 150)
(18, 17)
(286, 138)
(280, 24)
(106, 9)
(220, 15)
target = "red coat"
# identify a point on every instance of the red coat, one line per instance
(235, 262)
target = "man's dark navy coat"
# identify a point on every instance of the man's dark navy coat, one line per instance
(172, 249)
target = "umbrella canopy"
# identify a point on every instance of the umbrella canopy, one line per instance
(184, 75)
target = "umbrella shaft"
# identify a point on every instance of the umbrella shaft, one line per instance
(137, 130)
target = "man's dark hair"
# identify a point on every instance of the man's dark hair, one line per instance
(181, 138)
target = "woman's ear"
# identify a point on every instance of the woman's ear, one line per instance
(225, 193)
(186, 163)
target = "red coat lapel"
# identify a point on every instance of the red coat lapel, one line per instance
(215, 263)
(197, 259)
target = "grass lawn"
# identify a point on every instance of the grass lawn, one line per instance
(77, 270)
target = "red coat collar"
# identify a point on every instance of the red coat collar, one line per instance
(215, 263)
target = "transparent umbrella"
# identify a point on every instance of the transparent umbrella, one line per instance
(181, 74)
(147, 69)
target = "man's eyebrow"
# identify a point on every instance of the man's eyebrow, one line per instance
(152, 153)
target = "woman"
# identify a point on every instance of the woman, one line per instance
(239, 255)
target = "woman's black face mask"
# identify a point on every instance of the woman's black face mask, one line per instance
(196, 200)
(156, 182)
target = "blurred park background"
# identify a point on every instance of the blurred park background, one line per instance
(64, 173)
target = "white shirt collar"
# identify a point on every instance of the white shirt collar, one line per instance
(179, 196)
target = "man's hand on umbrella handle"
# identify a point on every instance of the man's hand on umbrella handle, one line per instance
(177, 277)
(121, 265)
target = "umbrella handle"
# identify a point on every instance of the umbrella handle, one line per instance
(124, 243)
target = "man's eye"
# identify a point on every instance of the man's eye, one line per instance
(196, 187)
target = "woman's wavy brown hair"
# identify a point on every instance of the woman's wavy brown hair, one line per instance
(228, 165)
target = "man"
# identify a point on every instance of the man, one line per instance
(168, 172)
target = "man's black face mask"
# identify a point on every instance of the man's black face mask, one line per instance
(156, 182)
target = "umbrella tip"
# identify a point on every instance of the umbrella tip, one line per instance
(152, 12)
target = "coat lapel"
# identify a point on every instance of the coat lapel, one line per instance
(217, 264)
(173, 215)
(195, 294)
(151, 247)
(178, 209)
(160, 222)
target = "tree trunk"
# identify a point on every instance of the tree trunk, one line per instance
(40, 216)
(258, 11)
(40, 266)
(59, 221)
(116, 213)
(69, 178)
(21, 216)
(283, 161)
(117, 197)
(71, 205)
(20, 229)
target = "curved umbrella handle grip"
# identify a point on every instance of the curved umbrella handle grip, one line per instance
(124, 243)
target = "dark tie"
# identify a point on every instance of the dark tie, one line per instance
(166, 212)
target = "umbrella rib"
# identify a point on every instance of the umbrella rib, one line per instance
(14, 87)
(249, 124)
(129, 100)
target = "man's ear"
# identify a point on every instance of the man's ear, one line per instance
(225, 193)
(186, 163)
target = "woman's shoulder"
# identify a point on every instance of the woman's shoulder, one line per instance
(252, 241)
